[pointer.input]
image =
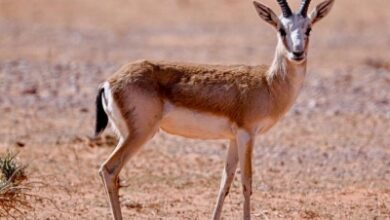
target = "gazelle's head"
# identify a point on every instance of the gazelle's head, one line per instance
(294, 28)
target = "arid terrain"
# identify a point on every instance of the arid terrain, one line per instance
(328, 158)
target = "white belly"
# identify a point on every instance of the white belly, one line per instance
(194, 124)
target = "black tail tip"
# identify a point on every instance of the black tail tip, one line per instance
(101, 116)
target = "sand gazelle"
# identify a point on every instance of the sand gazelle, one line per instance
(234, 102)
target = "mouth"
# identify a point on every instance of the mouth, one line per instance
(297, 59)
(300, 58)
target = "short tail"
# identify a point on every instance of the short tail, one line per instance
(101, 116)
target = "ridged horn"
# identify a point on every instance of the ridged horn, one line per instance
(304, 7)
(285, 8)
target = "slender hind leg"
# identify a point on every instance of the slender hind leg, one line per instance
(141, 114)
(227, 178)
(110, 169)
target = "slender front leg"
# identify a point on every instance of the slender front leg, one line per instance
(227, 178)
(244, 146)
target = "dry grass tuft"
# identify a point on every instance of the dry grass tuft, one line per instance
(13, 187)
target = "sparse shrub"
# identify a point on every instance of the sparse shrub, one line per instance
(13, 187)
(10, 170)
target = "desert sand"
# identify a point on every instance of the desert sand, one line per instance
(328, 158)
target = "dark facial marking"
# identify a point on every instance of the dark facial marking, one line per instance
(282, 32)
(308, 31)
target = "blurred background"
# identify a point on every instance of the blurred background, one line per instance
(327, 159)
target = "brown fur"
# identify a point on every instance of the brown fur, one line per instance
(241, 93)
(252, 97)
(222, 90)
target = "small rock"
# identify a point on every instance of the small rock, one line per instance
(312, 104)
(30, 91)
(20, 144)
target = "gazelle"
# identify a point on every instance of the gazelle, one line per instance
(234, 102)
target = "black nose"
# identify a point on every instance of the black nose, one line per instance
(298, 54)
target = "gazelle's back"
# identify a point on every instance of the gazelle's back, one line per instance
(218, 89)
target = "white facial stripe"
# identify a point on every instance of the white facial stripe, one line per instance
(295, 27)
(297, 40)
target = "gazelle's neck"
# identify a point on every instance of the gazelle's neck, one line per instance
(285, 80)
(283, 68)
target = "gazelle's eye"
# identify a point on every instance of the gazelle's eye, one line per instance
(308, 31)
(282, 32)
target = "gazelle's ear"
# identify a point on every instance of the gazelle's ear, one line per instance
(266, 14)
(321, 11)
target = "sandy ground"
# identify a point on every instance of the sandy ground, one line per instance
(329, 158)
